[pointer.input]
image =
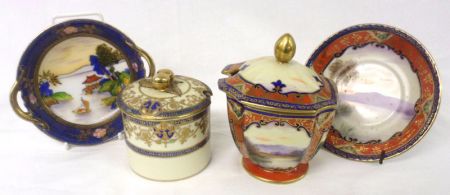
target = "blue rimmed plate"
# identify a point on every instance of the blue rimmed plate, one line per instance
(69, 77)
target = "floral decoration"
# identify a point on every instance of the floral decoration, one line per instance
(278, 86)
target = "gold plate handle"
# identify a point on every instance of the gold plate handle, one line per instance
(149, 60)
(22, 114)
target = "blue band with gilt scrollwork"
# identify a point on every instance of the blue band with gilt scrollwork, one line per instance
(149, 123)
(170, 153)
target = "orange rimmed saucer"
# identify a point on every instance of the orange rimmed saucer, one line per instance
(389, 91)
(275, 176)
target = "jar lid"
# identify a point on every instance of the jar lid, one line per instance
(278, 83)
(164, 96)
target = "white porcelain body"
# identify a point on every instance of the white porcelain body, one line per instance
(168, 169)
(168, 150)
(295, 76)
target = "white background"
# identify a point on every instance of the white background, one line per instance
(198, 38)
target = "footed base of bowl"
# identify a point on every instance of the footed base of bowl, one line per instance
(275, 176)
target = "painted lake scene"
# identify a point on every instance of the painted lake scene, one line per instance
(79, 79)
(276, 146)
(377, 93)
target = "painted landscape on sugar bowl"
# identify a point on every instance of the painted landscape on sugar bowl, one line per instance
(276, 146)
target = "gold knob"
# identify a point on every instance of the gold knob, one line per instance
(285, 48)
(162, 79)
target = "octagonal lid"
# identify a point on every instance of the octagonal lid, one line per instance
(278, 82)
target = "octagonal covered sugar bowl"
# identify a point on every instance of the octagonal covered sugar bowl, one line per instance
(166, 121)
(279, 112)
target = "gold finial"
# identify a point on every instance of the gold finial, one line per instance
(285, 48)
(162, 79)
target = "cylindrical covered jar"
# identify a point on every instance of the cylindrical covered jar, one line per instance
(167, 128)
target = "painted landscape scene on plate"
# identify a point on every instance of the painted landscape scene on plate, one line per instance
(80, 78)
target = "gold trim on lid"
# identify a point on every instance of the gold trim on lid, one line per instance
(285, 48)
(162, 79)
